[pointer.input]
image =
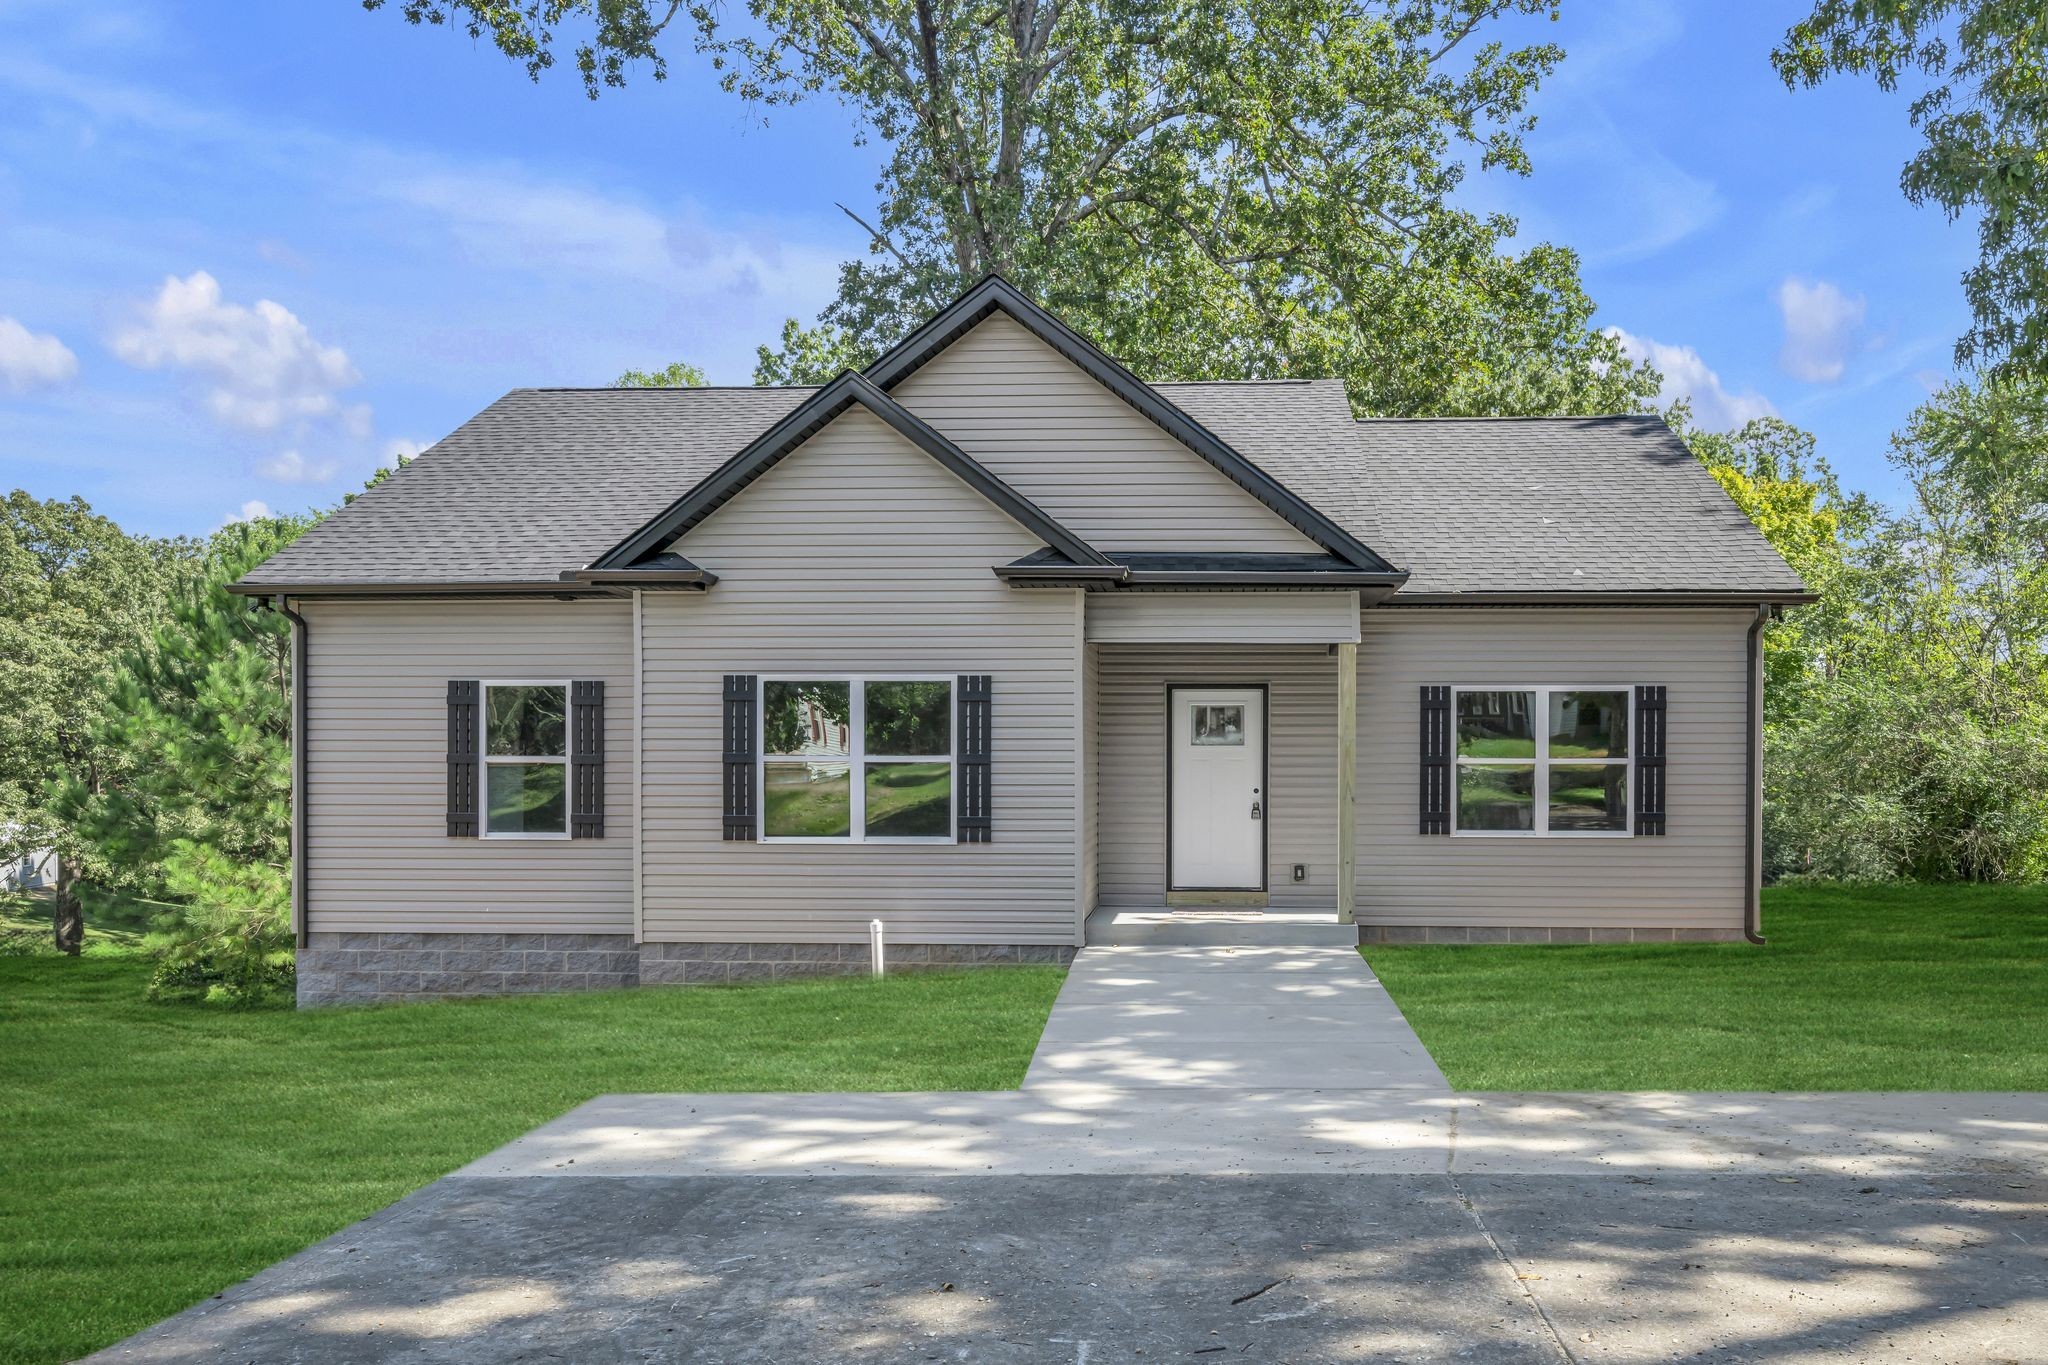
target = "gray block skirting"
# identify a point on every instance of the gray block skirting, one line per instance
(697, 964)
(1477, 933)
(353, 968)
(349, 968)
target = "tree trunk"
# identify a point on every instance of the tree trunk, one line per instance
(68, 919)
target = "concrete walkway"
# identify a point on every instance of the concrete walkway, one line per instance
(1274, 1018)
(1239, 1152)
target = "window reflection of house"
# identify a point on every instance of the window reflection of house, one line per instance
(825, 735)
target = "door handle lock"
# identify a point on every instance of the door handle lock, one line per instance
(1258, 810)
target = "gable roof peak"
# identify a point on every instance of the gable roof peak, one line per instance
(992, 293)
(768, 449)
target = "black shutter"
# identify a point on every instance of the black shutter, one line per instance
(1649, 760)
(739, 757)
(462, 774)
(586, 760)
(1436, 760)
(971, 749)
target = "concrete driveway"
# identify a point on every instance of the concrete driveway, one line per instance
(1155, 1191)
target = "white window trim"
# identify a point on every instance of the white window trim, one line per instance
(487, 760)
(857, 739)
(1542, 761)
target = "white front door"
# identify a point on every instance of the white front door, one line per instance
(1216, 813)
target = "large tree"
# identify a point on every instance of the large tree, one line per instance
(679, 374)
(1983, 113)
(197, 822)
(75, 591)
(1906, 717)
(1248, 189)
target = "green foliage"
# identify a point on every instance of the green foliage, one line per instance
(680, 374)
(809, 355)
(75, 590)
(1256, 189)
(198, 820)
(1906, 713)
(383, 472)
(1984, 115)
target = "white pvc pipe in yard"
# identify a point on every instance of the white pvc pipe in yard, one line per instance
(875, 946)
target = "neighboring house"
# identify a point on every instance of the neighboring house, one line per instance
(32, 870)
(665, 685)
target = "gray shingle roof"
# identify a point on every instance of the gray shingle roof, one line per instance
(546, 480)
(540, 482)
(1560, 504)
(1501, 504)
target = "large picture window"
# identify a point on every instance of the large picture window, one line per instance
(1542, 760)
(526, 760)
(857, 759)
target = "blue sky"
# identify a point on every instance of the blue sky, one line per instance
(249, 251)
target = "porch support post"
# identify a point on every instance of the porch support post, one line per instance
(1347, 782)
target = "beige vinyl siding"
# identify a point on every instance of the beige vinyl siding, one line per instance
(1223, 617)
(1692, 878)
(377, 722)
(1040, 424)
(1301, 764)
(858, 554)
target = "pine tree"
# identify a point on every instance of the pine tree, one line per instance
(198, 822)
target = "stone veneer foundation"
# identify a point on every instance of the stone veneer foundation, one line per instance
(354, 968)
(1416, 933)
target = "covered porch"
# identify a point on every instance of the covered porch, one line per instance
(1220, 767)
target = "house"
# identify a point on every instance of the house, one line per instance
(994, 642)
(33, 869)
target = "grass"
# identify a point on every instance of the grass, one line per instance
(25, 930)
(910, 798)
(1859, 988)
(151, 1155)
(903, 799)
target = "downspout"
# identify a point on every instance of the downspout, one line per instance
(1752, 797)
(639, 771)
(301, 888)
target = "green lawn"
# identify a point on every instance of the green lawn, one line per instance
(1874, 988)
(152, 1154)
(25, 930)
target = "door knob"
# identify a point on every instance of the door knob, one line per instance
(1258, 812)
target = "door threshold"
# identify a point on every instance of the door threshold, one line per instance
(1221, 900)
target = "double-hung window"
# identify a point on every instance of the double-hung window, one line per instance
(526, 760)
(1542, 760)
(857, 759)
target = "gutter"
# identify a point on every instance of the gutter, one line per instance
(394, 591)
(636, 579)
(1096, 579)
(1673, 598)
(1752, 835)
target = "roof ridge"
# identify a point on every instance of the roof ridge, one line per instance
(666, 388)
(1190, 383)
(1532, 417)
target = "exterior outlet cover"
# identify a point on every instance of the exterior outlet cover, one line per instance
(1301, 872)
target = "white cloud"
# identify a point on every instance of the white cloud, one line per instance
(253, 510)
(291, 467)
(504, 218)
(401, 448)
(1820, 326)
(279, 253)
(263, 367)
(1688, 376)
(32, 360)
